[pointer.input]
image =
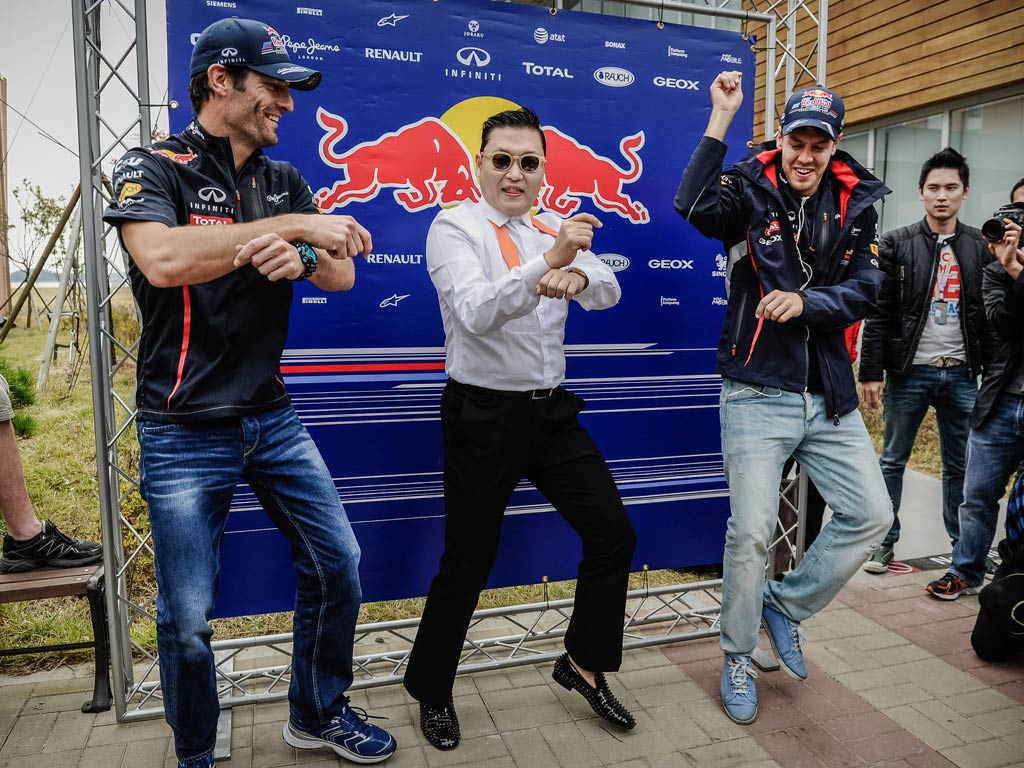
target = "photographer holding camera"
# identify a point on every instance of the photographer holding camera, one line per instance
(996, 443)
(995, 228)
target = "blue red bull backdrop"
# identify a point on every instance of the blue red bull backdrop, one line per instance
(389, 137)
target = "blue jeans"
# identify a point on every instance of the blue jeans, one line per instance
(993, 452)
(952, 392)
(762, 427)
(188, 476)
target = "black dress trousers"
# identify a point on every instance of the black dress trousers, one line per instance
(493, 440)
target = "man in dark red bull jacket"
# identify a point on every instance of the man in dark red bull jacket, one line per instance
(796, 217)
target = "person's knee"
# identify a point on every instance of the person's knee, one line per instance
(987, 650)
(340, 571)
(466, 569)
(187, 629)
(612, 538)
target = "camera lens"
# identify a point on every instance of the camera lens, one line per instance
(993, 230)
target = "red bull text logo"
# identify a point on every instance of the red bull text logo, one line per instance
(427, 164)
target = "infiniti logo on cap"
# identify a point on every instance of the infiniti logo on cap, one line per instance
(229, 52)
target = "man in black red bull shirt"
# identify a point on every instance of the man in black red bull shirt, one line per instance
(216, 233)
(797, 219)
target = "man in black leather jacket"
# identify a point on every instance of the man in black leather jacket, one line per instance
(925, 335)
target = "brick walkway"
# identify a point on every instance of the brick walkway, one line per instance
(893, 683)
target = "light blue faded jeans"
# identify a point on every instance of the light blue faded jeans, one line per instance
(188, 476)
(762, 427)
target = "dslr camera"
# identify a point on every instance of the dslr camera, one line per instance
(994, 229)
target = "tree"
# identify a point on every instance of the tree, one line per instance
(39, 214)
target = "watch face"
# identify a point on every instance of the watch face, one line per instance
(308, 256)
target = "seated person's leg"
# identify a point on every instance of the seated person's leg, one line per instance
(30, 543)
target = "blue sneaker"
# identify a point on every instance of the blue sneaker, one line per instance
(349, 734)
(738, 692)
(784, 634)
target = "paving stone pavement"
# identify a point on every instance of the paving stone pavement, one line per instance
(893, 682)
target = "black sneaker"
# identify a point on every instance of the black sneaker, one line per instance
(440, 725)
(950, 587)
(49, 547)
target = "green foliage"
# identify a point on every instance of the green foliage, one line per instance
(24, 425)
(20, 381)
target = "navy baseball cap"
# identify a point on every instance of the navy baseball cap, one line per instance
(253, 45)
(815, 107)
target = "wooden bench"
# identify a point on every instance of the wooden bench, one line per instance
(85, 581)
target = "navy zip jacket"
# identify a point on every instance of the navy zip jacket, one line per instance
(744, 208)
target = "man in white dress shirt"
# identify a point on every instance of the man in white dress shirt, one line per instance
(504, 280)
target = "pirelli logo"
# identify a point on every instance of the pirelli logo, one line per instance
(202, 220)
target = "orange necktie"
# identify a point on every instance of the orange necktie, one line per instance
(509, 252)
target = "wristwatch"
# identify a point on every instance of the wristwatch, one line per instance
(309, 259)
(581, 273)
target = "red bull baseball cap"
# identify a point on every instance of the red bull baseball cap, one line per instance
(253, 45)
(815, 107)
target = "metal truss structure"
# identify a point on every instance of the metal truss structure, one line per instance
(254, 670)
(520, 634)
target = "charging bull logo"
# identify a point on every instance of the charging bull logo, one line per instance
(184, 157)
(574, 171)
(427, 164)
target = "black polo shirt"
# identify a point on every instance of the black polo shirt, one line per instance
(210, 350)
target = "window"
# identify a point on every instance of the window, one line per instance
(991, 137)
(899, 152)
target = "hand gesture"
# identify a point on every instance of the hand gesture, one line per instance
(780, 306)
(1008, 250)
(341, 236)
(559, 284)
(727, 92)
(272, 255)
(575, 235)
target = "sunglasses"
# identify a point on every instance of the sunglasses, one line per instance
(502, 161)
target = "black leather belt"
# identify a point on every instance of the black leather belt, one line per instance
(531, 394)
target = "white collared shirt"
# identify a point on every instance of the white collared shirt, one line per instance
(498, 333)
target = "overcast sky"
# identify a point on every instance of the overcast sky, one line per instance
(37, 58)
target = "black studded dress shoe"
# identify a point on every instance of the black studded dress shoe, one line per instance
(600, 699)
(440, 725)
